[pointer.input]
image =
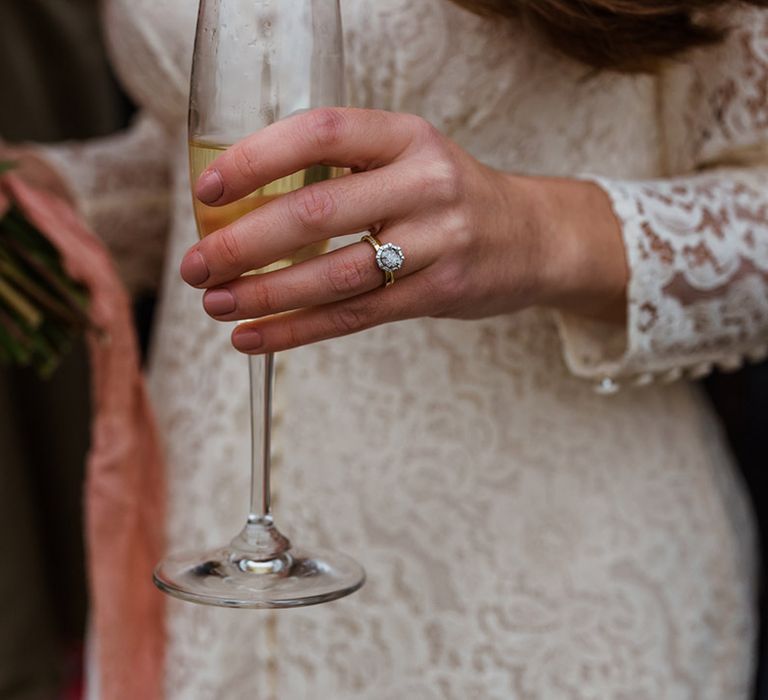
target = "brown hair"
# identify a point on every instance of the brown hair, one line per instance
(623, 35)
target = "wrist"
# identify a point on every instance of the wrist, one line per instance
(583, 267)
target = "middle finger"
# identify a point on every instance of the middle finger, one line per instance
(333, 208)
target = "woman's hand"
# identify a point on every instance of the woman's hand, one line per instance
(477, 242)
(34, 171)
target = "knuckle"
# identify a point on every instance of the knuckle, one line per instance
(293, 337)
(264, 300)
(312, 206)
(432, 287)
(347, 277)
(325, 126)
(348, 319)
(423, 130)
(449, 282)
(444, 178)
(244, 163)
(459, 227)
(441, 172)
(228, 248)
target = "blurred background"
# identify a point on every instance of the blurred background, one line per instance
(741, 400)
(56, 85)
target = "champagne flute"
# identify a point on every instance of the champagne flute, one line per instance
(256, 61)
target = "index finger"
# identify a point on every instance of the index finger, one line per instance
(354, 138)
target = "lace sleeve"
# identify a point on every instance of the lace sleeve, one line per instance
(120, 185)
(697, 244)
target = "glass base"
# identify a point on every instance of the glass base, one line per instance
(229, 579)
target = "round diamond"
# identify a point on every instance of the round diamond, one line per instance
(390, 257)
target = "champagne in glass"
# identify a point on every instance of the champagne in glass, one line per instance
(210, 219)
(256, 61)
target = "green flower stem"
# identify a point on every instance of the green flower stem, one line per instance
(41, 308)
(31, 316)
(47, 275)
(49, 304)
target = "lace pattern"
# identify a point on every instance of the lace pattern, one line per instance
(715, 107)
(120, 185)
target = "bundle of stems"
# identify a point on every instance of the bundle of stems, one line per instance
(42, 310)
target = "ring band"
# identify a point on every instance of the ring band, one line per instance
(389, 257)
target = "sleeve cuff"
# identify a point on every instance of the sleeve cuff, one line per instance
(669, 333)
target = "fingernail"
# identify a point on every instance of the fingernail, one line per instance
(248, 340)
(219, 302)
(194, 269)
(209, 187)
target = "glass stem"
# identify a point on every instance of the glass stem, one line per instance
(262, 374)
(260, 547)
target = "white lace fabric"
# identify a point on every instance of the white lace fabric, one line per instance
(524, 538)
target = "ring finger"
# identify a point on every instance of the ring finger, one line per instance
(335, 276)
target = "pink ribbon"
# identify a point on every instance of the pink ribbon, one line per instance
(125, 487)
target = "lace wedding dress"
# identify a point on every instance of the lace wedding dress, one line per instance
(525, 537)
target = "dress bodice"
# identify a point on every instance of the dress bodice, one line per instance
(497, 91)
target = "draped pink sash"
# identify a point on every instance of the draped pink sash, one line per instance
(125, 489)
